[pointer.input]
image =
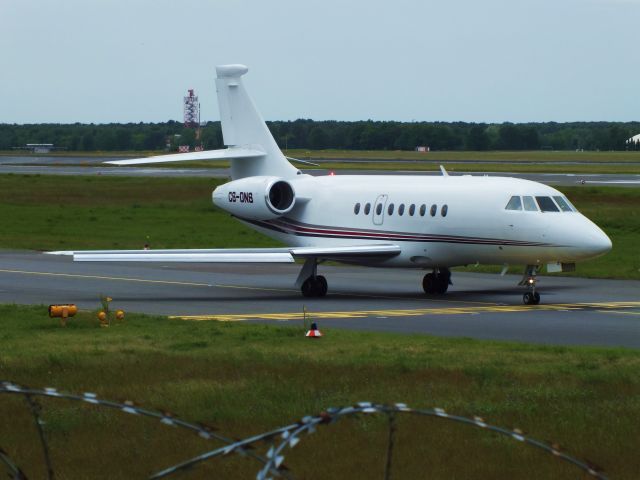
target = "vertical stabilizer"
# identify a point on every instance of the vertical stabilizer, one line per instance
(244, 127)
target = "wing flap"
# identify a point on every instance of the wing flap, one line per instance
(354, 251)
(224, 154)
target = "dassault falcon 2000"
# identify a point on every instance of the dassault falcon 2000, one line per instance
(426, 222)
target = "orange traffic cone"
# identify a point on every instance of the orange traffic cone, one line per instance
(314, 332)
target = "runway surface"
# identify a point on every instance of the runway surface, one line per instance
(564, 179)
(573, 311)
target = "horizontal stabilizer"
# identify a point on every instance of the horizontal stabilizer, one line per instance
(224, 154)
(238, 255)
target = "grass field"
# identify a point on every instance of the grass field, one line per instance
(246, 379)
(60, 212)
(500, 156)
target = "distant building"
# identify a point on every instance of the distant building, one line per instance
(40, 147)
(634, 141)
(422, 149)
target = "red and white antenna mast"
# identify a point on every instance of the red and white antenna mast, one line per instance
(192, 115)
(191, 110)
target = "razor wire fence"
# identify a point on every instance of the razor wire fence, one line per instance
(279, 440)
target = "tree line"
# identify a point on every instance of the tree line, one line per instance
(311, 134)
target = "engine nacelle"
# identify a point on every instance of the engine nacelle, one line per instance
(256, 198)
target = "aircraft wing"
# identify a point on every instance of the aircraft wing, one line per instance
(224, 154)
(239, 255)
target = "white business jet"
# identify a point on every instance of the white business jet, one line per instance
(428, 222)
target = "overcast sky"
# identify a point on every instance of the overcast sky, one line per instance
(491, 61)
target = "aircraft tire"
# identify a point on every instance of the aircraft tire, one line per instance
(321, 286)
(307, 287)
(437, 283)
(428, 283)
(314, 287)
(442, 284)
(531, 298)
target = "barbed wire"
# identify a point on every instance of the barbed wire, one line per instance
(279, 439)
(12, 468)
(166, 418)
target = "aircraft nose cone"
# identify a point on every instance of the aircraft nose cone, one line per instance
(599, 243)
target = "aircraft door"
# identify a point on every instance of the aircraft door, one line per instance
(378, 209)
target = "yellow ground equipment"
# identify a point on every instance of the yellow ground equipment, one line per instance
(62, 312)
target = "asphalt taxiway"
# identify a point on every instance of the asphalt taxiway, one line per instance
(574, 311)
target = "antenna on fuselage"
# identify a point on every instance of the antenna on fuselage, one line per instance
(444, 172)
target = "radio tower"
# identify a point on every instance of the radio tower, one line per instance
(191, 110)
(192, 114)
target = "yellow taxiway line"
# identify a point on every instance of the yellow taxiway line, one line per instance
(601, 307)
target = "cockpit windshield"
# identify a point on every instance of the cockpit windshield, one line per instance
(564, 204)
(546, 204)
(515, 203)
(557, 203)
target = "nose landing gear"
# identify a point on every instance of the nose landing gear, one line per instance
(529, 280)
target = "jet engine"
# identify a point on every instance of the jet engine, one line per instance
(256, 198)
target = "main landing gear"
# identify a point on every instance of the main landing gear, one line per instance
(314, 286)
(437, 282)
(310, 283)
(529, 280)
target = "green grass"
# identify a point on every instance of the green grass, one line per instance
(246, 378)
(501, 156)
(61, 213)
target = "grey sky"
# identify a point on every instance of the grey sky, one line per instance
(492, 60)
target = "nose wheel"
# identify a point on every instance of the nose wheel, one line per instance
(531, 298)
(529, 280)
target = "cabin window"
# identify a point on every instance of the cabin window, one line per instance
(514, 204)
(379, 209)
(529, 204)
(434, 210)
(563, 204)
(546, 204)
(444, 210)
(423, 210)
(367, 208)
(390, 209)
(412, 209)
(401, 209)
(356, 209)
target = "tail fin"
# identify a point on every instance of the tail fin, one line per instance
(244, 127)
